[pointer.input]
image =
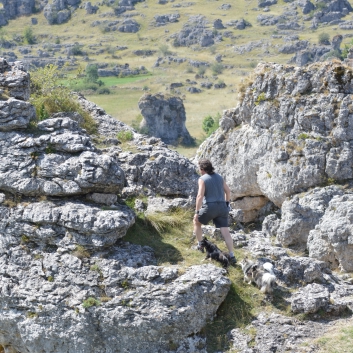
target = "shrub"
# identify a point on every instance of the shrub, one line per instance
(91, 72)
(28, 35)
(189, 70)
(49, 97)
(210, 124)
(261, 98)
(217, 68)
(104, 90)
(324, 38)
(201, 70)
(76, 49)
(164, 49)
(125, 136)
(90, 302)
(303, 136)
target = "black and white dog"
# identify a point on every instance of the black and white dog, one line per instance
(214, 252)
(260, 274)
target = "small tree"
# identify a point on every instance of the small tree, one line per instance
(210, 124)
(164, 49)
(217, 68)
(28, 35)
(91, 73)
(324, 38)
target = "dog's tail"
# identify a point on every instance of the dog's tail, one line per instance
(267, 266)
(268, 282)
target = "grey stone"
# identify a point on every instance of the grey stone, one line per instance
(164, 117)
(310, 299)
(129, 26)
(302, 213)
(265, 3)
(279, 151)
(106, 199)
(331, 240)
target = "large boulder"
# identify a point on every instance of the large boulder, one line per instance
(164, 117)
(57, 302)
(332, 240)
(301, 213)
(290, 132)
(59, 11)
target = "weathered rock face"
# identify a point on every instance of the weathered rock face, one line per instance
(15, 8)
(153, 168)
(59, 11)
(164, 117)
(67, 282)
(290, 132)
(144, 309)
(302, 213)
(332, 239)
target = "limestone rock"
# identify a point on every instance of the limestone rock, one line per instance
(250, 207)
(59, 11)
(144, 309)
(302, 213)
(65, 225)
(129, 26)
(154, 169)
(161, 204)
(275, 333)
(14, 80)
(164, 117)
(331, 240)
(293, 136)
(310, 299)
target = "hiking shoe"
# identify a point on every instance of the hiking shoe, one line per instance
(233, 260)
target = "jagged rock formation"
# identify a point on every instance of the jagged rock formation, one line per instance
(164, 117)
(14, 8)
(59, 11)
(68, 283)
(292, 132)
(195, 31)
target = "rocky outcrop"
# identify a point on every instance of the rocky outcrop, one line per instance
(15, 8)
(164, 117)
(63, 263)
(59, 11)
(152, 169)
(288, 133)
(301, 213)
(195, 31)
(331, 240)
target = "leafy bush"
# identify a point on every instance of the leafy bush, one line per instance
(90, 302)
(28, 35)
(49, 97)
(201, 70)
(125, 136)
(217, 68)
(210, 124)
(76, 49)
(91, 73)
(104, 90)
(324, 38)
(164, 49)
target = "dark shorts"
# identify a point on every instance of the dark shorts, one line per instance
(216, 211)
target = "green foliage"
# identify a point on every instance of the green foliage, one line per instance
(260, 98)
(201, 70)
(210, 124)
(125, 136)
(28, 35)
(50, 279)
(90, 302)
(303, 136)
(334, 54)
(49, 97)
(217, 68)
(324, 38)
(164, 50)
(91, 73)
(189, 70)
(103, 90)
(321, 5)
(76, 49)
